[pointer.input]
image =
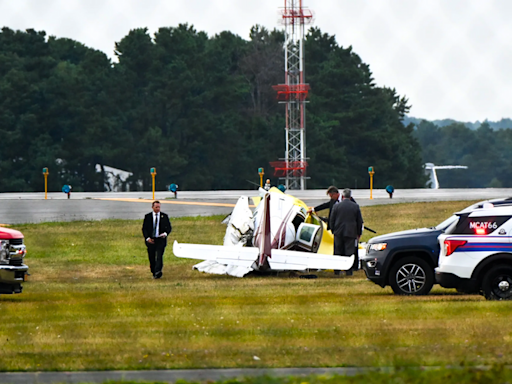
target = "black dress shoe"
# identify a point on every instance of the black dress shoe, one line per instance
(158, 275)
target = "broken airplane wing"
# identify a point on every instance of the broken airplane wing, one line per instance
(241, 256)
(246, 258)
(284, 260)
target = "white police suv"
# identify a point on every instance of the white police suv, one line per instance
(476, 253)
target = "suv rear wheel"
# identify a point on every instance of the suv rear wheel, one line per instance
(497, 283)
(411, 276)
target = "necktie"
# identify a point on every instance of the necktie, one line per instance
(155, 225)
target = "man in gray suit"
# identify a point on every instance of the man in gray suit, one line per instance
(346, 223)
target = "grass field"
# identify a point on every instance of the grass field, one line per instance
(91, 304)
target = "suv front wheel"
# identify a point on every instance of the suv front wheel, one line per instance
(411, 276)
(497, 283)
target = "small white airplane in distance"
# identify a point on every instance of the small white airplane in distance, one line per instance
(430, 170)
(280, 235)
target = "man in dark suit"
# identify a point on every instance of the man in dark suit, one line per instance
(335, 196)
(155, 229)
(347, 226)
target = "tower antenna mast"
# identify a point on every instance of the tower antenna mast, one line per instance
(293, 94)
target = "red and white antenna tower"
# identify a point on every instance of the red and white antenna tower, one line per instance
(293, 93)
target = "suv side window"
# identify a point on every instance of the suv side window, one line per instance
(482, 225)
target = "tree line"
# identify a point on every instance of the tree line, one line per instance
(503, 123)
(486, 152)
(200, 109)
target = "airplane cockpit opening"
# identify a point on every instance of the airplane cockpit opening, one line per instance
(299, 219)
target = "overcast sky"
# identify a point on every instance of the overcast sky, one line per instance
(451, 58)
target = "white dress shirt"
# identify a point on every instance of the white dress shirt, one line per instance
(157, 217)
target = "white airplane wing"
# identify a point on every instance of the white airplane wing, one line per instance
(240, 256)
(299, 261)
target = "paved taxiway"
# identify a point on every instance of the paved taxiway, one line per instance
(16, 208)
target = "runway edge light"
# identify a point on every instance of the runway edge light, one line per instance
(45, 173)
(153, 174)
(261, 172)
(371, 172)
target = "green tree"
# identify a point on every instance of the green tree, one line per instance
(354, 124)
(200, 109)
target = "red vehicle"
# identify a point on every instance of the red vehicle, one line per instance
(12, 253)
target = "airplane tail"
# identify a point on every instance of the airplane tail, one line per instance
(262, 239)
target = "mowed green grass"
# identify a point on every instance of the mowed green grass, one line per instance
(91, 304)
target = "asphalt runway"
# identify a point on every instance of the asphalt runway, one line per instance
(17, 208)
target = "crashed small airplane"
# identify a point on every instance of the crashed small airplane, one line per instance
(280, 235)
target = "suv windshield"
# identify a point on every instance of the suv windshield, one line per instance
(445, 224)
